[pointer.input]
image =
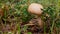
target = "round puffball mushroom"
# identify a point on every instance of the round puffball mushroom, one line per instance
(35, 8)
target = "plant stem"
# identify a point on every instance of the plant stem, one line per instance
(52, 27)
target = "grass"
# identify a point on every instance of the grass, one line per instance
(18, 9)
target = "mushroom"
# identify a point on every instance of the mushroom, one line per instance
(35, 8)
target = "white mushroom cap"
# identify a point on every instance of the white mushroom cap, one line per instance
(35, 8)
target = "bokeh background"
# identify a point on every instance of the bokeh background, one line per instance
(14, 17)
